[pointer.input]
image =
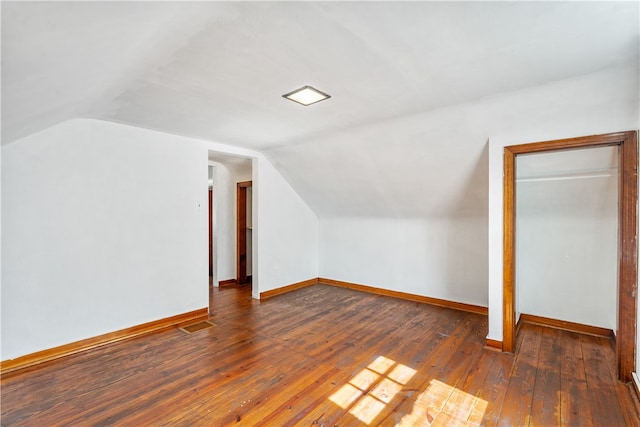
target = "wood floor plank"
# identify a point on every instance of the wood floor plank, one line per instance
(303, 401)
(119, 399)
(402, 352)
(465, 399)
(248, 385)
(545, 410)
(434, 385)
(516, 408)
(627, 397)
(603, 401)
(573, 383)
(488, 405)
(629, 403)
(324, 355)
(263, 411)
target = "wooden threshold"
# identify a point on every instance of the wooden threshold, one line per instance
(288, 288)
(567, 326)
(38, 357)
(407, 296)
(227, 282)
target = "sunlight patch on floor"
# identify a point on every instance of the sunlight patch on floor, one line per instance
(367, 394)
(443, 404)
(373, 388)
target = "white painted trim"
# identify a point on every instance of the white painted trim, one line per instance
(636, 382)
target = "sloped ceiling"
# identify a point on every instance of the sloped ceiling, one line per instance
(217, 70)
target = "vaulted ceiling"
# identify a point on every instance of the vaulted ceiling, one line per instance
(406, 79)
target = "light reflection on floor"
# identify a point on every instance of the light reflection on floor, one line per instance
(370, 390)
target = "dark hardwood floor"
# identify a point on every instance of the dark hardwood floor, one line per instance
(327, 356)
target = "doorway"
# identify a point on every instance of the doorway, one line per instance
(225, 172)
(627, 144)
(211, 232)
(244, 232)
(566, 212)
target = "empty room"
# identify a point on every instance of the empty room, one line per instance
(307, 213)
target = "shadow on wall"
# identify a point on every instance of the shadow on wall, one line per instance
(467, 258)
(472, 198)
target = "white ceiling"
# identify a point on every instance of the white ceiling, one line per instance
(217, 70)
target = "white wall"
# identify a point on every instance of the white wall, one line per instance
(437, 257)
(566, 236)
(598, 103)
(567, 269)
(103, 232)
(602, 102)
(281, 218)
(107, 229)
(1, 240)
(223, 236)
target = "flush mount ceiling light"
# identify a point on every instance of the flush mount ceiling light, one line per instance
(306, 95)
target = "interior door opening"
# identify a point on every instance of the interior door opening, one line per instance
(566, 237)
(210, 232)
(225, 172)
(244, 232)
(627, 238)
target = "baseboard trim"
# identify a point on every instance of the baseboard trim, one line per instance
(567, 326)
(288, 288)
(407, 296)
(227, 282)
(42, 356)
(493, 345)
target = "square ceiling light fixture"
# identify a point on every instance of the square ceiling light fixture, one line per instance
(306, 95)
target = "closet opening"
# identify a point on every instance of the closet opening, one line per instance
(627, 147)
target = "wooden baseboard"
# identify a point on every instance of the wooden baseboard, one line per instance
(378, 291)
(567, 326)
(227, 282)
(288, 288)
(32, 359)
(406, 296)
(493, 345)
